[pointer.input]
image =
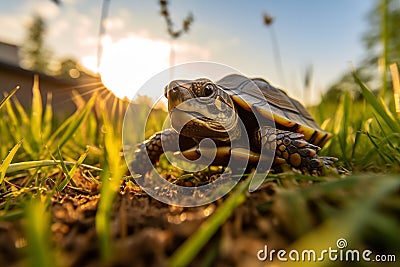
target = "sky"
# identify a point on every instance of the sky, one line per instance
(322, 35)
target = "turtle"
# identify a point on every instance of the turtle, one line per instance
(214, 110)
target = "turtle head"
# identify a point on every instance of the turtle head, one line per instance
(200, 108)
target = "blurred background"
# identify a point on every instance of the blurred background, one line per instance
(307, 47)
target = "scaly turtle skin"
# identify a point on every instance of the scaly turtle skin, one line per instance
(232, 109)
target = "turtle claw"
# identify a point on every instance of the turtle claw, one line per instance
(328, 161)
(297, 152)
(141, 164)
(148, 153)
(327, 166)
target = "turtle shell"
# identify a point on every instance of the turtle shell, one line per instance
(287, 113)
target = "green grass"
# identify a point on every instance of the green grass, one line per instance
(114, 170)
(40, 159)
(38, 232)
(36, 152)
(366, 132)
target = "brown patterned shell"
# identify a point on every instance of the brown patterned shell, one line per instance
(287, 112)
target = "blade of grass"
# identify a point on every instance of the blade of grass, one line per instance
(64, 169)
(73, 124)
(189, 249)
(385, 144)
(343, 132)
(356, 139)
(11, 215)
(376, 146)
(21, 112)
(21, 166)
(5, 99)
(7, 161)
(114, 169)
(387, 117)
(78, 99)
(38, 234)
(103, 213)
(61, 129)
(387, 139)
(76, 123)
(18, 120)
(37, 112)
(384, 35)
(396, 87)
(73, 170)
(47, 118)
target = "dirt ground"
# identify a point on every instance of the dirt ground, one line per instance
(146, 232)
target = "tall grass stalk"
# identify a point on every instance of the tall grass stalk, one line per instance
(36, 129)
(7, 161)
(384, 5)
(36, 114)
(379, 106)
(343, 127)
(26, 165)
(113, 170)
(8, 96)
(396, 87)
(38, 233)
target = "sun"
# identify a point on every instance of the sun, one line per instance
(128, 63)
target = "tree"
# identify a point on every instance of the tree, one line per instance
(69, 69)
(383, 38)
(34, 53)
(384, 26)
(382, 44)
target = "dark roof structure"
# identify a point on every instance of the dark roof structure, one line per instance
(12, 75)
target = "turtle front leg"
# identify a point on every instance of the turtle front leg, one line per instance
(148, 153)
(296, 151)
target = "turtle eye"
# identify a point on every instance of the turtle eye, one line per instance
(208, 89)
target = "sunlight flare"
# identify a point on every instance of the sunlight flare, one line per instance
(128, 63)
